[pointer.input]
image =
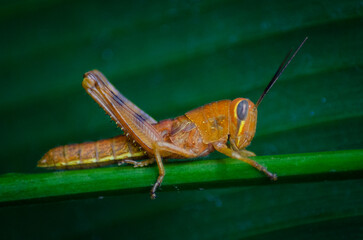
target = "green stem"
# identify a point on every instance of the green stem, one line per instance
(292, 167)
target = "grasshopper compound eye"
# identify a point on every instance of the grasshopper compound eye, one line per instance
(242, 110)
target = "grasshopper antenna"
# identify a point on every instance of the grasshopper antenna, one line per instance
(279, 71)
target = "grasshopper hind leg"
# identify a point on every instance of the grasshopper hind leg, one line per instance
(147, 162)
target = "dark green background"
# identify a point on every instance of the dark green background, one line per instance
(169, 57)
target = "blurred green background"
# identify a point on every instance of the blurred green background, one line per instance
(169, 57)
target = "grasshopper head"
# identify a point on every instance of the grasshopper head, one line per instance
(243, 115)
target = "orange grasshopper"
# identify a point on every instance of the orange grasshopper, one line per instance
(226, 126)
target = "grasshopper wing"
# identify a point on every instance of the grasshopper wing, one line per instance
(126, 114)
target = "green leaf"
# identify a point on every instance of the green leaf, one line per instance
(308, 166)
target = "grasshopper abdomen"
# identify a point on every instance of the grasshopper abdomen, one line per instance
(92, 154)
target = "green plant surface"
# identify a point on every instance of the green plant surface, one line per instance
(327, 165)
(169, 57)
(293, 210)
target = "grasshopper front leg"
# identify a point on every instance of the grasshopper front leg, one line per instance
(246, 153)
(223, 148)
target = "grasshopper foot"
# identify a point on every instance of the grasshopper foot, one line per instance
(273, 177)
(142, 163)
(156, 186)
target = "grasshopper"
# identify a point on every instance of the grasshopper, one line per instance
(227, 126)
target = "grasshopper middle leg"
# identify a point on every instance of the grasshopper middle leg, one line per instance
(169, 148)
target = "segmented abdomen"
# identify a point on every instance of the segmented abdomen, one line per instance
(92, 154)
